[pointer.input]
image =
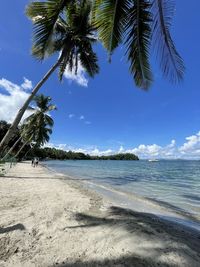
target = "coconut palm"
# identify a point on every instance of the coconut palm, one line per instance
(4, 127)
(35, 135)
(62, 27)
(41, 114)
(38, 126)
(136, 24)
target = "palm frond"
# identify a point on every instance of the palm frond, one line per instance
(171, 62)
(110, 21)
(138, 42)
(88, 60)
(66, 59)
(44, 16)
(48, 120)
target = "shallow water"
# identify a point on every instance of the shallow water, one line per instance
(173, 185)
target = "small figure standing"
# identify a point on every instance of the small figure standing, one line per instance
(36, 162)
(32, 162)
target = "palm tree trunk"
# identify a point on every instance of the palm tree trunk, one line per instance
(27, 152)
(21, 112)
(21, 149)
(11, 149)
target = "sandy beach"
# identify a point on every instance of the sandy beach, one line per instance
(47, 219)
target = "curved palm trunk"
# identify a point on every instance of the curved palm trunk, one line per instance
(21, 149)
(11, 149)
(21, 112)
(27, 152)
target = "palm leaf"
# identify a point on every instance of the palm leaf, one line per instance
(44, 16)
(66, 58)
(138, 42)
(110, 21)
(48, 120)
(88, 59)
(170, 61)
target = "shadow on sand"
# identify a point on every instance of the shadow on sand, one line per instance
(146, 226)
(15, 227)
(125, 261)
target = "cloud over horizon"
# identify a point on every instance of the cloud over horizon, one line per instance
(189, 150)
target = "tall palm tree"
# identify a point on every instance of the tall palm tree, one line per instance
(38, 126)
(62, 27)
(137, 24)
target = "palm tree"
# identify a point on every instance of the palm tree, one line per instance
(36, 135)
(38, 126)
(136, 24)
(4, 127)
(62, 27)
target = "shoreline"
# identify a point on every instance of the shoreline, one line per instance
(137, 202)
(50, 220)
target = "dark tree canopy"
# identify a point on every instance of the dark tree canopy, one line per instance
(53, 153)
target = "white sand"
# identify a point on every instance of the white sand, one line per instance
(46, 220)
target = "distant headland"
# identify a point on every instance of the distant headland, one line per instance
(59, 154)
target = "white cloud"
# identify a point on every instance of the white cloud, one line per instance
(13, 98)
(121, 149)
(71, 116)
(155, 151)
(97, 152)
(93, 151)
(27, 84)
(82, 117)
(78, 77)
(88, 122)
(191, 147)
(189, 150)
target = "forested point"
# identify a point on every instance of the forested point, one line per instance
(53, 153)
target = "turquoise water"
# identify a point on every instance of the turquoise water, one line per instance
(173, 185)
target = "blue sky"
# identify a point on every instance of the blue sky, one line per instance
(109, 114)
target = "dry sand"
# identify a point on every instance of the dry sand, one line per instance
(48, 220)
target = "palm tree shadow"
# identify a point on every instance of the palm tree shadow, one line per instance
(15, 227)
(145, 226)
(124, 261)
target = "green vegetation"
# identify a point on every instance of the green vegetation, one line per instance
(136, 26)
(53, 153)
(35, 131)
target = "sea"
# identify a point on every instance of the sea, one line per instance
(166, 188)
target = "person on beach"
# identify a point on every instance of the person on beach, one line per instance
(32, 162)
(36, 162)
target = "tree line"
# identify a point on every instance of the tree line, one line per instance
(59, 154)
